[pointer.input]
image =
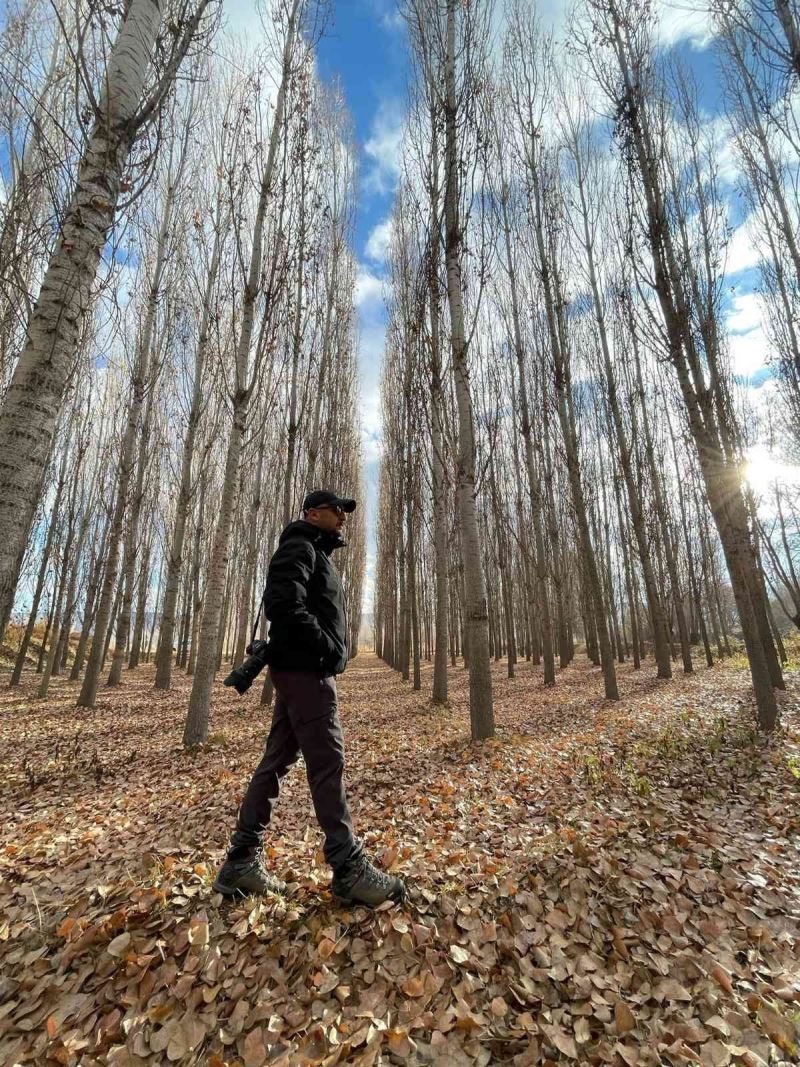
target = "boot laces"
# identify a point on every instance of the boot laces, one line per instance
(376, 877)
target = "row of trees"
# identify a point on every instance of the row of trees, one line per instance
(177, 339)
(569, 459)
(177, 333)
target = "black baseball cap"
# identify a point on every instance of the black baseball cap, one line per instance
(324, 496)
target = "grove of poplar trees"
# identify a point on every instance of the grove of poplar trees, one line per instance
(568, 464)
(564, 438)
(177, 331)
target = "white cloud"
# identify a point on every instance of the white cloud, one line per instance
(745, 314)
(677, 21)
(377, 246)
(243, 16)
(690, 22)
(726, 158)
(387, 14)
(371, 425)
(388, 11)
(748, 343)
(369, 288)
(748, 352)
(372, 340)
(371, 343)
(383, 148)
(743, 253)
(727, 161)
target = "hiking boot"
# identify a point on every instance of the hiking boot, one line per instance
(246, 877)
(362, 883)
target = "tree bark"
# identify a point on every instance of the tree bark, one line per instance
(438, 476)
(42, 575)
(475, 607)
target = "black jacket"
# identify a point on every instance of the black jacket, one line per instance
(305, 603)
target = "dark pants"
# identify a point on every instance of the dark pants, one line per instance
(305, 720)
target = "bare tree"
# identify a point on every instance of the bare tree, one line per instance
(134, 87)
(246, 374)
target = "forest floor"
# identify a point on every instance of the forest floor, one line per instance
(600, 883)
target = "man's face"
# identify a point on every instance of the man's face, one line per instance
(327, 517)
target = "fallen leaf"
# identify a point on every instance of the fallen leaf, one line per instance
(187, 1033)
(118, 946)
(623, 1017)
(779, 1029)
(499, 1007)
(413, 987)
(198, 933)
(254, 1049)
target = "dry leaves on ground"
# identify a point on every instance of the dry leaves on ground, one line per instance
(598, 884)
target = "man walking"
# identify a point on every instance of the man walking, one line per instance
(308, 646)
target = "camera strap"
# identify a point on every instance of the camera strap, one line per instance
(258, 619)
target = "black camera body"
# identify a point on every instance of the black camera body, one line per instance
(243, 676)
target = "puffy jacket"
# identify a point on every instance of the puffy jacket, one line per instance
(305, 603)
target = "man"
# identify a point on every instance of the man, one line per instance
(308, 646)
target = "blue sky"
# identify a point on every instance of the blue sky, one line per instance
(365, 49)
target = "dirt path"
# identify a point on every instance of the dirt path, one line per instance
(601, 883)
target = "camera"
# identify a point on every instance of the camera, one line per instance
(241, 677)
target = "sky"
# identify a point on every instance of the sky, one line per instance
(365, 49)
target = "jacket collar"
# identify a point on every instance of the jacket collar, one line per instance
(326, 542)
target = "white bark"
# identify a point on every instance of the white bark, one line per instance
(36, 392)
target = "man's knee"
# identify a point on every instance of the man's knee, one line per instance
(324, 759)
(279, 755)
(279, 762)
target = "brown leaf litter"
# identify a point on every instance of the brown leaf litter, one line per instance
(600, 883)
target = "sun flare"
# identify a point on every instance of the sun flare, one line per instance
(764, 470)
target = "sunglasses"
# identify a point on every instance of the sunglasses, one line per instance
(331, 507)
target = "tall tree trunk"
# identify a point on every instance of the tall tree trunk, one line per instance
(722, 478)
(297, 340)
(664, 522)
(658, 619)
(42, 575)
(59, 597)
(534, 485)
(412, 586)
(438, 476)
(193, 599)
(90, 602)
(112, 625)
(166, 634)
(141, 607)
(563, 387)
(475, 606)
(131, 545)
(153, 615)
(628, 572)
(91, 679)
